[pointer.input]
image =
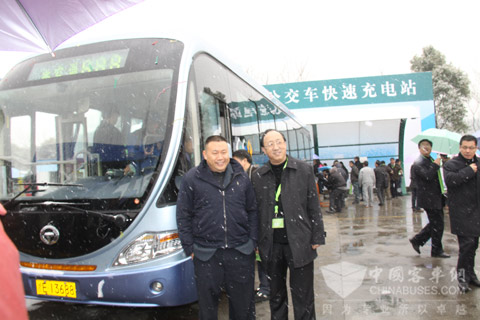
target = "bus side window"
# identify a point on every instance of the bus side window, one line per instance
(184, 163)
(210, 115)
(214, 115)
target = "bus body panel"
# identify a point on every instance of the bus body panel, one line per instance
(125, 288)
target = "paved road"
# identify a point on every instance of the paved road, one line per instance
(367, 270)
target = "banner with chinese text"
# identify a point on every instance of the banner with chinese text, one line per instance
(352, 91)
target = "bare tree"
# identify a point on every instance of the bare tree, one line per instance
(474, 104)
(286, 75)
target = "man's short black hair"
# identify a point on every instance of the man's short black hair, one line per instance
(468, 137)
(262, 137)
(215, 138)
(242, 154)
(425, 140)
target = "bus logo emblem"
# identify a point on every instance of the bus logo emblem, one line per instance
(49, 235)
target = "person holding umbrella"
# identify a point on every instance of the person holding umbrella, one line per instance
(463, 181)
(430, 197)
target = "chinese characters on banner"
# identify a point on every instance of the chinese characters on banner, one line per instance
(340, 92)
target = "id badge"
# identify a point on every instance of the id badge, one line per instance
(277, 223)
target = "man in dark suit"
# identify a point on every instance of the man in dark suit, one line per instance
(290, 227)
(217, 225)
(429, 197)
(463, 181)
(380, 182)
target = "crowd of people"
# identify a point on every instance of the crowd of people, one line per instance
(384, 181)
(458, 188)
(231, 214)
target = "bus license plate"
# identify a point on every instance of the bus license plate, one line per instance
(56, 288)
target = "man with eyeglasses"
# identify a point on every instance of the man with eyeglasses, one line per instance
(463, 181)
(290, 226)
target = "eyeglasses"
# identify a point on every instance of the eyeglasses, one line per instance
(467, 148)
(271, 144)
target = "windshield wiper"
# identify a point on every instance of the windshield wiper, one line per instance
(41, 184)
(49, 184)
(119, 219)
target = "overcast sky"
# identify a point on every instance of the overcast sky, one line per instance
(342, 39)
(275, 40)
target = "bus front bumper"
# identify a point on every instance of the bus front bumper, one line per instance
(163, 286)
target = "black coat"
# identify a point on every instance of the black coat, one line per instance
(413, 179)
(463, 196)
(381, 177)
(301, 207)
(429, 194)
(214, 216)
(335, 180)
(354, 174)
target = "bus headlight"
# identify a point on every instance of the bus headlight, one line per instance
(149, 246)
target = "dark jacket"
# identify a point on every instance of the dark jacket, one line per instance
(429, 194)
(397, 172)
(413, 179)
(215, 216)
(354, 174)
(388, 169)
(343, 171)
(359, 165)
(381, 177)
(301, 206)
(463, 196)
(335, 180)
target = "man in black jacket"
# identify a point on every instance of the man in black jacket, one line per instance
(337, 186)
(463, 181)
(290, 226)
(217, 224)
(380, 182)
(262, 293)
(429, 197)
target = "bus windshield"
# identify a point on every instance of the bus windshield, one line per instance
(89, 123)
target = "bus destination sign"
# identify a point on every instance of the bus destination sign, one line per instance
(77, 65)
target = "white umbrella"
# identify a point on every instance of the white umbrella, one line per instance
(42, 25)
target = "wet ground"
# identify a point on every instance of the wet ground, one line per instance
(367, 270)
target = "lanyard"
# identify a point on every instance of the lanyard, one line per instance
(440, 178)
(279, 191)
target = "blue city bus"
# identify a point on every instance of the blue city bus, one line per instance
(94, 141)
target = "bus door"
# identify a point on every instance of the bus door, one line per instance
(73, 155)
